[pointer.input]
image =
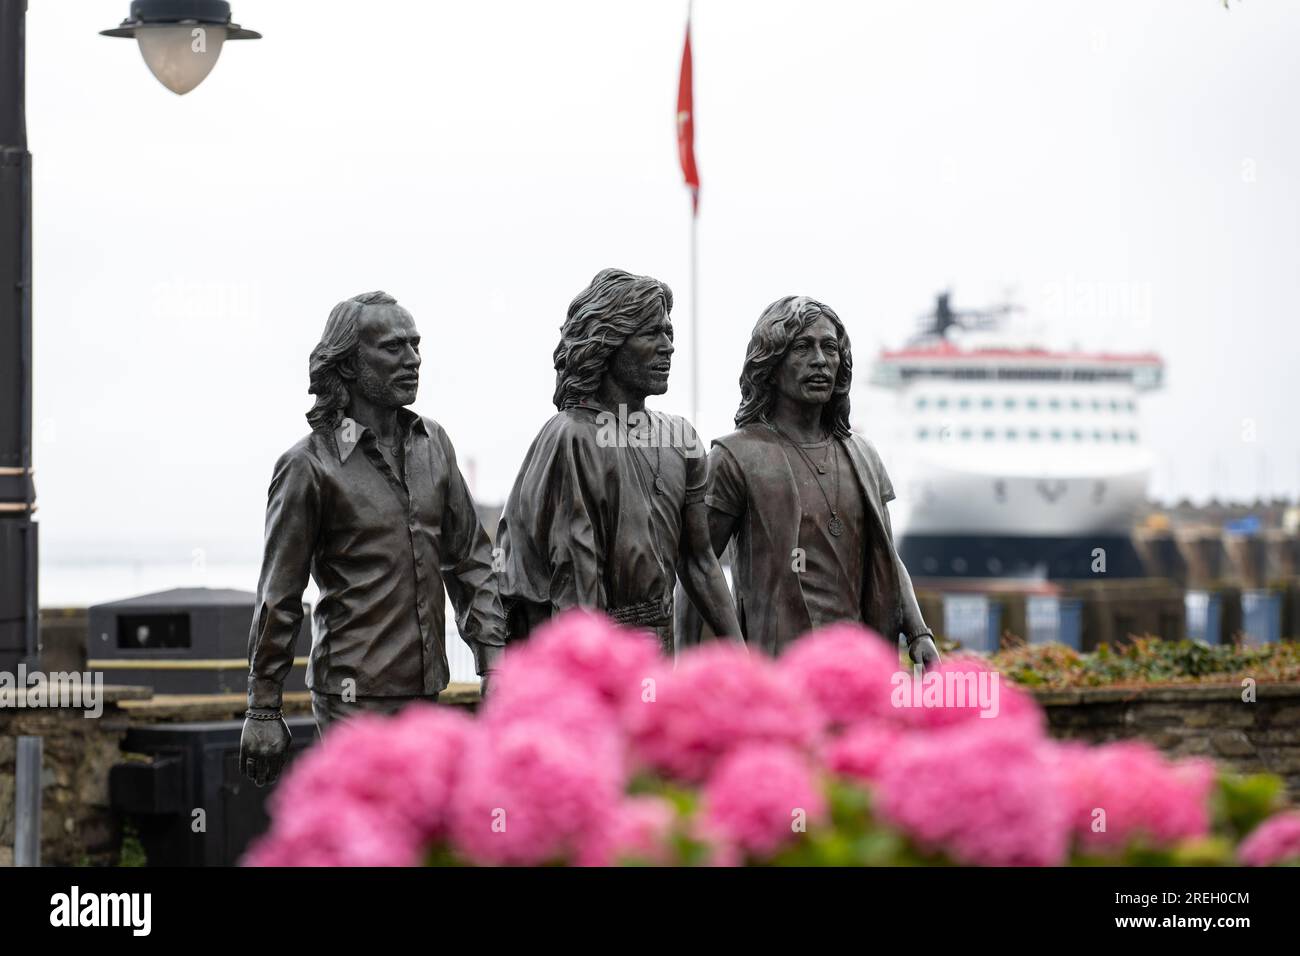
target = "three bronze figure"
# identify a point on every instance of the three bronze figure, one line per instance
(616, 507)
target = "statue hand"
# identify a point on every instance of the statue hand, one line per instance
(922, 651)
(262, 749)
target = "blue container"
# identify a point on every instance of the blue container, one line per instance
(1203, 611)
(973, 620)
(1072, 623)
(1053, 620)
(1261, 616)
(1043, 619)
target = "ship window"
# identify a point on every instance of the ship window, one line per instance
(965, 434)
(1096, 405)
(964, 404)
(1056, 434)
(986, 402)
(1115, 436)
(1011, 434)
(1076, 404)
(922, 433)
(941, 403)
(1133, 436)
(1031, 404)
(1033, 434)
(1096, 435)
(1009, 403)
(1132, 406)
(1054, 404)
(1078, 435)
(921, 402)
(989, 434)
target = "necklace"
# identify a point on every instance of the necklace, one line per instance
(660, 487)
(835, 526)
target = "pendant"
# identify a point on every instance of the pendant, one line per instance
(836, 526)
(660, 487)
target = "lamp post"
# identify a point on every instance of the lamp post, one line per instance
(180, 40)
(18, 634)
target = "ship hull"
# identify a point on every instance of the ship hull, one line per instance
(1041, 499)
(1032, 557)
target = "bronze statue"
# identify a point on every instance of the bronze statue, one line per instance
(608, 509)
(801, 499)
(372, 506)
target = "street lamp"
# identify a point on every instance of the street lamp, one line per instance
(180, 40)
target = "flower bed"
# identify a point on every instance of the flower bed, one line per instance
(592, 750)
(1147, 660)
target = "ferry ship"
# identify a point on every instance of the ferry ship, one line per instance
(1012, 460)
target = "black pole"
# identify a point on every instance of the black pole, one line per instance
(19, 639)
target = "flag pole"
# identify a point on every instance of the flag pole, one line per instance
(695, 319)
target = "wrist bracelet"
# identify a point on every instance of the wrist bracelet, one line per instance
(252, 716)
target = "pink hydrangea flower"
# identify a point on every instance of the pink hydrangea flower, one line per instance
(546, 693)
(760, 797)
(389, 776)
(980, 797)
(590, 650)
(639, 830)
(846, 671)
(718, 698)
(1144, 795)
(966, 688)
(862, 748)
(336, 832)
(531, 794)
(1276, 840)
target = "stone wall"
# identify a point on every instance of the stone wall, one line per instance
(77, 826)
(1191, 720)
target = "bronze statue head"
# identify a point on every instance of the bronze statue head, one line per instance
(798, 348)
(370, 345)
(618, 326)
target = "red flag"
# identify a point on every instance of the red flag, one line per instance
(686, 124)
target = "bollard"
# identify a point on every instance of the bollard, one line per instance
(27, 802)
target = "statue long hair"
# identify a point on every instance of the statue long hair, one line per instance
(338, 344)
(600, 319)
(777, 328)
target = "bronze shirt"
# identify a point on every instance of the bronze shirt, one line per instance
(770, 603)
(381, 550)
(584, 527)
(830, 567)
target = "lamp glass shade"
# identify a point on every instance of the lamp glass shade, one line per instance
(180, 55)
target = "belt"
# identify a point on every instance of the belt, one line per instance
(642, 614)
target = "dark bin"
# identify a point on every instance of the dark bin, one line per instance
(193, 767)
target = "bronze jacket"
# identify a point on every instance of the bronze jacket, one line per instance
(769, 599)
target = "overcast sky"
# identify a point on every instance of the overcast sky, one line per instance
(1130, 170)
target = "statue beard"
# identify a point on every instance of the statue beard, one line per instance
(375, 389)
